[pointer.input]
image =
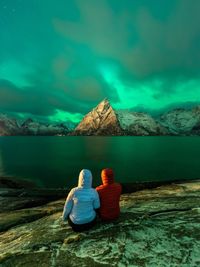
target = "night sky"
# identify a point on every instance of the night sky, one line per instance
(60, 58)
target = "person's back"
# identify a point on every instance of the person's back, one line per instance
(81, 202)
(109, 193)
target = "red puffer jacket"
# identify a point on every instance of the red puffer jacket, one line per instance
(109, 193)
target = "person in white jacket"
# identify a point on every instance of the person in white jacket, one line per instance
(81, 203)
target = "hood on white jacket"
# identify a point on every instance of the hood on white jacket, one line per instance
(85, 179)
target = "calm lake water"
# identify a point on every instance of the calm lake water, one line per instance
(56, 161)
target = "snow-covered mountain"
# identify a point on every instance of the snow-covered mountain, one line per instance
(182, 121)
(102, 120)
(8, 126)
(30, 127)
(138, 123)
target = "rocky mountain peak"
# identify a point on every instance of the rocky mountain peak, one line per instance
(102, 120)
(103, 106)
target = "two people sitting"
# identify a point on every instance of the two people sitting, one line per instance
(84, 202)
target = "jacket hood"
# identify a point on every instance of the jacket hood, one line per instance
(107, 176)
(85, 179)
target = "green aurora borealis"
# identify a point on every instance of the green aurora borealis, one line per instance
(59, 58)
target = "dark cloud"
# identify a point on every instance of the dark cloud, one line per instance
(36, 101)
(69, 55)
(98, 28)
(142, 43)
(168, 45)
(16, 99)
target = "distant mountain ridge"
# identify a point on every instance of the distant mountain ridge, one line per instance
(30, 127)
(104, 120)
(182, 121)
(10, 126)
(138, 123)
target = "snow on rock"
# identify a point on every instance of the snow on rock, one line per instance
(30, 127)
(8, 126)
(104, 120)
(182, 121)
(137, 123)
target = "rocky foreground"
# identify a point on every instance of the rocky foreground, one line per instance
(157, 227)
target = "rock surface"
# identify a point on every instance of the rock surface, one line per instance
(102, 120)
(13, 182)
(157, 227)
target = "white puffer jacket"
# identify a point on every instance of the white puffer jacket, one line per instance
(82, 201)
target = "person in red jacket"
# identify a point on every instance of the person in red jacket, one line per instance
(109, 194)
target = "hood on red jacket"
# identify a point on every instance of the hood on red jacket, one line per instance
(107, 176)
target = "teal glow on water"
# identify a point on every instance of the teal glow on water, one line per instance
(56, 161)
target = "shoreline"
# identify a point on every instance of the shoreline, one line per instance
(11, 182)
(17, 194)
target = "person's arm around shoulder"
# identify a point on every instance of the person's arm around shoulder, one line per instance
(68, 205)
